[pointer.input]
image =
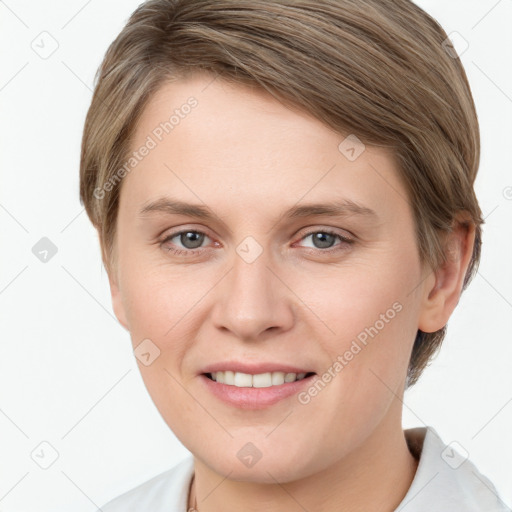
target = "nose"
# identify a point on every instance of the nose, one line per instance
(252, 301)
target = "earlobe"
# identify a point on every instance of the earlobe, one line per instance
(442, 290)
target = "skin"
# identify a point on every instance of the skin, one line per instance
(248, 158)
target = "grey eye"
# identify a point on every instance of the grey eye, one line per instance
(322, 239)
(191, 239)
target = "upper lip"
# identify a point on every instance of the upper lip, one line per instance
(253, 368)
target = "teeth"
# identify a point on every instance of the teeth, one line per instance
(260, 380)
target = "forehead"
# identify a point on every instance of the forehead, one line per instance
(217, 141)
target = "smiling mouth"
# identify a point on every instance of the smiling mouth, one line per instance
(261, 380)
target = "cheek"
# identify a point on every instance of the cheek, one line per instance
(368, 317)
(166, 306)
(156, 298)
(160, 308)
(349, 300)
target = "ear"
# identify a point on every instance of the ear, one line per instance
(441, 297)
(117, 301)
(115, 292)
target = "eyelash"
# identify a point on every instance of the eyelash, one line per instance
(194, 252)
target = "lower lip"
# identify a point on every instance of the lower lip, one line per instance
(255, 398)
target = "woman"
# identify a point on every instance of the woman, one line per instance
(283, 192)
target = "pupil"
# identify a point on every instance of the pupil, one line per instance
(321, 239)
(191, 239)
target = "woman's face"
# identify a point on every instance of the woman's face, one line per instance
(264, 278)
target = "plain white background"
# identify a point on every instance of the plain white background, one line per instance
(68, 377)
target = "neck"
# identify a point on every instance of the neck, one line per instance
(376, 476)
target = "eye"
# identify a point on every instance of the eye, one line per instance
(325, 238)
(190, 240)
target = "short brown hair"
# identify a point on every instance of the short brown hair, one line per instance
(380, 69)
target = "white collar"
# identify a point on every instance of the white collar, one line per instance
(446, 479)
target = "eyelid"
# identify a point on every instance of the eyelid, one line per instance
(170, 233)
(326, 229)
(344, 241)
(167, 238)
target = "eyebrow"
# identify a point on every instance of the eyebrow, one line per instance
(342, 208)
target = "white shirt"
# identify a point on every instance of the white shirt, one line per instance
(445, 481)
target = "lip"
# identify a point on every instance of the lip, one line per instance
(254, 398)
(253, 368)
